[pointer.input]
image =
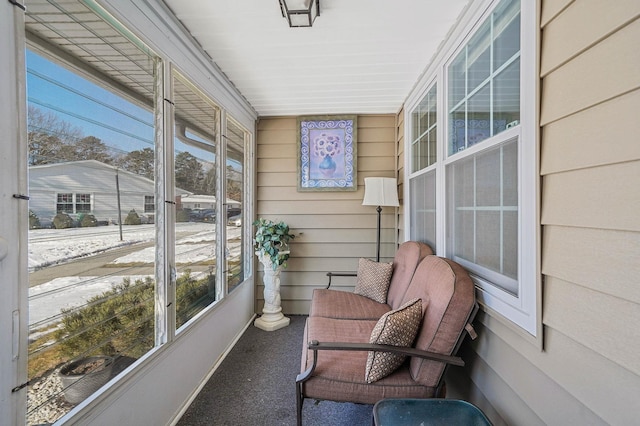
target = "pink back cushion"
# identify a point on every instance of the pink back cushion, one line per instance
(405, 262)
(451, 299)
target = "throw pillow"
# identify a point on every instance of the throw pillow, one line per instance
(373, 279)
(398, 328)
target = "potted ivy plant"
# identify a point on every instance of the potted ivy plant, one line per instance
(272, 241)
(272, 247)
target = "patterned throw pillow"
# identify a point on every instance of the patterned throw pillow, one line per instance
(373, 279)
(397, 328)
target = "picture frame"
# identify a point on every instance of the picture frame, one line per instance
(327, 154)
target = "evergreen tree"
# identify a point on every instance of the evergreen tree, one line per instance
(189, 173)
(140, 162)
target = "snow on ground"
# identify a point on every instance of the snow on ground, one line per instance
(46, 300)
(53, 246)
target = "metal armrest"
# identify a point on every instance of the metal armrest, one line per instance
(316, 346)
(339, 274)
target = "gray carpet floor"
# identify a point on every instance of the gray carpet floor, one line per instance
(255, 385)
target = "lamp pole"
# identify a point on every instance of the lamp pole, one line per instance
(379, 210)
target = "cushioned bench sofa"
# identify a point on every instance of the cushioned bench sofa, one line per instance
(374, 344)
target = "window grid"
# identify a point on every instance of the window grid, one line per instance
(83, 203)
(424, 146)
(469, 92)
(65, 203)
(149, 203)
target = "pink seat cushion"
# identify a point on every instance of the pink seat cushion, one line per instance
(340, 375)
(345, 305)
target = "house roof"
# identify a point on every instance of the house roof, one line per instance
(88, 175)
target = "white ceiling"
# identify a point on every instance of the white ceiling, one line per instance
(360, 56)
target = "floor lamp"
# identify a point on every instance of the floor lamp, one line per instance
(380, 191)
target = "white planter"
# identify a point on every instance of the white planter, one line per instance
(272, 318)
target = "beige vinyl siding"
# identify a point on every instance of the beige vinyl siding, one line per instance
(333, 229)
(591, 180)
(588, 371)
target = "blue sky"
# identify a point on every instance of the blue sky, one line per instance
(118, 123)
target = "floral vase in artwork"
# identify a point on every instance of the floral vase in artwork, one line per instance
(327, 166)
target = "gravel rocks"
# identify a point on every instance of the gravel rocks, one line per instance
(45, 403)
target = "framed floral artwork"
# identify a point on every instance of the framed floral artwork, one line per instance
(327, 153)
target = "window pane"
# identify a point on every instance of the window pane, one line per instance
(196, 136)
(236, 223)
(490, 100)
(65, 203)
(483, 234)
(87, 205)
(421, 153)
(506, 95)
(424, 130)
(432, 147)
(506, 19)
(479, 117)
(457, 78)
(149, 204)
(83, 203)
(479, 58)
(457, 130)
(423, 202)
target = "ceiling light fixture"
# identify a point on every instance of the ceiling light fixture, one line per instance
(300, 13)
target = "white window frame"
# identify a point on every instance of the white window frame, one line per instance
(76, 202)
(522, 310)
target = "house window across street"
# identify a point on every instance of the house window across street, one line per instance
(64, 204)
(83, 203)
(149, 204)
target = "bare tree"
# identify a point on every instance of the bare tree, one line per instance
(47, 136)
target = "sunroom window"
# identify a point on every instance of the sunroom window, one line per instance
(197, 130)
(484, 80)
(476, 201)
(424, 121)
(236, 266)
(482, 187)
(91, 155)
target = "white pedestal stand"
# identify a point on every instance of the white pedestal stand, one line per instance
(272, 318)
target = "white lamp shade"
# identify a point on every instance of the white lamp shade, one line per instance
(379, 191)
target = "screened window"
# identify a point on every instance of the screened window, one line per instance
(423, 202)
(424, 125)
(477, 203)
(482, 188)
(483, 214)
